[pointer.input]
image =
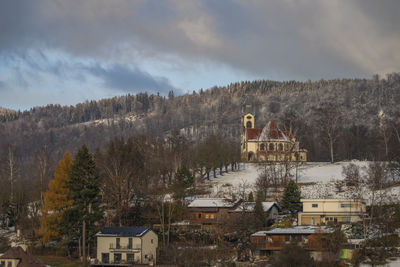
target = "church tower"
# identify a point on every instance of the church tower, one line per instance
(248, 121)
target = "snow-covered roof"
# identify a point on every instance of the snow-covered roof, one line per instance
(212, 203)
(249, 206)
(295, 230)
(272, 132)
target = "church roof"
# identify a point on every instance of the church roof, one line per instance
(271, 131)
(268, 133)
(253, 133)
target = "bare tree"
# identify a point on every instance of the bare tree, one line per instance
(328, 121)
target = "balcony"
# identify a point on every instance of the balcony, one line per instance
(115, 248)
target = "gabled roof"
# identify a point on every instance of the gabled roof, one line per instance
(25, 259)
(249, 206)
(296, 230)
(213, 203)
(272, 132)
(133, 231)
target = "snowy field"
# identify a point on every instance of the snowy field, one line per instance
(318, 179)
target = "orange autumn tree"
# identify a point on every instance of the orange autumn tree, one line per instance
(56, 199)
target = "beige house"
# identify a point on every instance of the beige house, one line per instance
(126, 246)
(268, 144)
(322, 211)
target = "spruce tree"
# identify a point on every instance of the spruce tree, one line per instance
(291, 198)
(259, 210)
(84, 186)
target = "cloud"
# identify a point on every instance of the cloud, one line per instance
(284, 39)
(130, 80)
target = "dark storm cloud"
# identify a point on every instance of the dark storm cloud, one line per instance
(130, 80)
(294, 39)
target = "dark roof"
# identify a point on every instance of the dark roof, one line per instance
(124, 231)
(25, 258)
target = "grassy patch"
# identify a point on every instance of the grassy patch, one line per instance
(58, 261)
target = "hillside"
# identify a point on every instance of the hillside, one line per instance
(362, 103)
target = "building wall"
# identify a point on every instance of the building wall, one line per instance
(104, 244)
(14, 262)
(149, 249)
(318, 211)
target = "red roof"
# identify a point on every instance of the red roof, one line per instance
(253, 133)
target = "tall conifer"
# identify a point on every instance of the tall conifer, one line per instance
(56, 200)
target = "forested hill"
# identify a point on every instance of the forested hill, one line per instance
(366, 106)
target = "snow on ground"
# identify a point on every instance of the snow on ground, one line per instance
(318, 179)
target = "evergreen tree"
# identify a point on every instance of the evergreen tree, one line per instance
(291, 198)
(251, 197)
(84, 186)
(259, 210)
(56, 200)
(184, 182)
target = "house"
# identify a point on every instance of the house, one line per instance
(126, 246)
(309, 237)
(18, 257)
(209, 212)
(268, 144)
(322, 211)
(270, 208)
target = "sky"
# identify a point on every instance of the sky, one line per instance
(66, 52)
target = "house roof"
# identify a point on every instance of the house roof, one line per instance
(212, 203)
(249, 206)
(124, 231)
(295, 230)
(25, 259)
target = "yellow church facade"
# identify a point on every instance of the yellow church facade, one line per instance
(268, 144)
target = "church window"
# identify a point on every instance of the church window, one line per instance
(248, 124)
(262, 147)
(271, 147)
(280, 147)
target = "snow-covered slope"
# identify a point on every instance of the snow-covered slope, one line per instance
(317, 180)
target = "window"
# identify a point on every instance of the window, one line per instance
(129, 257)
(117, 257)
(314, 205)
(199, 215)
(152, 241)
(249, 117)
(287, 238)
(262, 147)
(206, 216)
(280, 146)
(118, 245)
(248, 124)
(9, 264)
(2, 264)
(345, 205)
(346, 219)
(305, 237)
(130, 243)
(105, 257)
(212, 216)
(271, 147)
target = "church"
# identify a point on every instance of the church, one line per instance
(268, 144)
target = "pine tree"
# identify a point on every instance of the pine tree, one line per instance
(251, 197)
(259, 210)
(184, 182)
(291, 198)
(84, 187)
(56, 200)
